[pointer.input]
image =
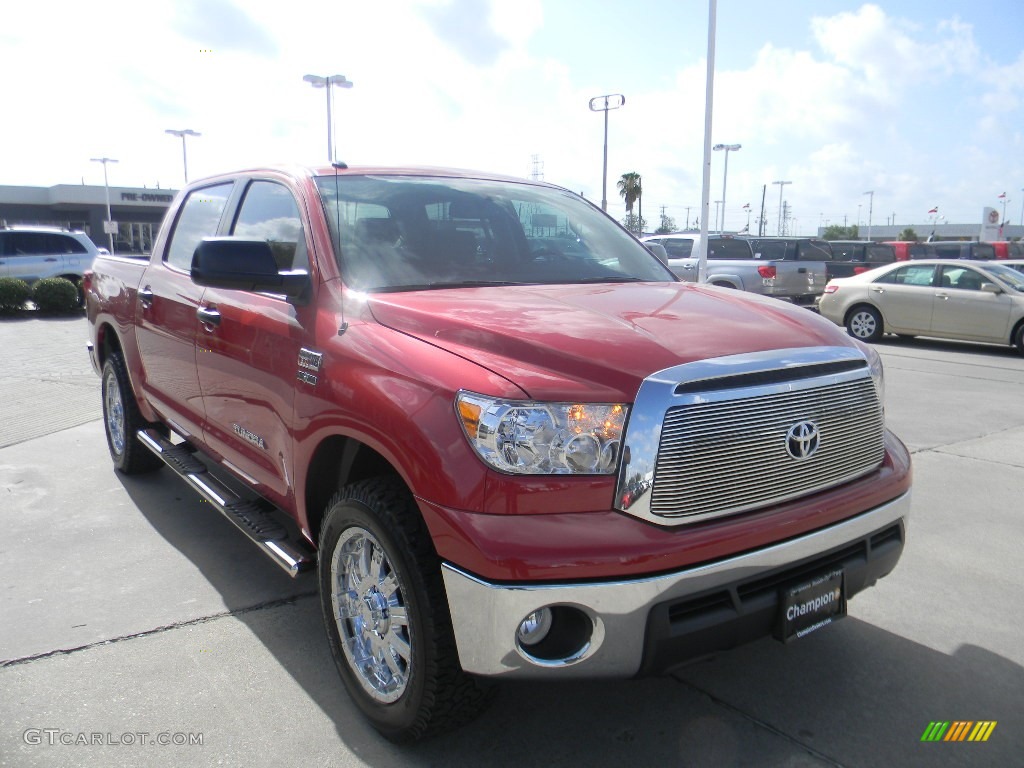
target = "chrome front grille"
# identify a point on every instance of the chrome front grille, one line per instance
(743, 432)
(724, 457)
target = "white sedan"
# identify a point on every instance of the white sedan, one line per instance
(944, 298)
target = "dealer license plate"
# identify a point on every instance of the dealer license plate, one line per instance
(811, 604)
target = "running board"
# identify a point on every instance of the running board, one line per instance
(253, 518)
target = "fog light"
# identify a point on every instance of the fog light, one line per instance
(535, 627)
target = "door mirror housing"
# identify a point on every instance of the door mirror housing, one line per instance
(245, 265)
(991, 288)
(658, 250)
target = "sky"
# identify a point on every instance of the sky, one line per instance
(921, 102)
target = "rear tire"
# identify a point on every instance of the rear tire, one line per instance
(1018, 338)
(121, 420)
(864, 323)
(386, 615)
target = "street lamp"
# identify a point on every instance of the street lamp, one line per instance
(871, 208)
(182, 134)
(603, 104)
(326, 82)
(782, 185)
(725, 175)
(109, 226)
(718, 207)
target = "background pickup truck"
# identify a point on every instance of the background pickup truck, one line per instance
(510, 441)
(787, 273)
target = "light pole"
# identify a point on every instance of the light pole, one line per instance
(725, 175)
(182, 134)
(1002, 221)
(718, 207)
(109, 226)
(782, 186)
(603, 104)
(318, 81)
(871, 207)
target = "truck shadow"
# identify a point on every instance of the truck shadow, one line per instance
(853, 694)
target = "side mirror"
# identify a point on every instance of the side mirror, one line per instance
(658, 250)
(991, 288)
(244, 265)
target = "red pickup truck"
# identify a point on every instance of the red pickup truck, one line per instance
(511, 442)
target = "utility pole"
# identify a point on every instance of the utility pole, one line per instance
(782, 185)
(871, 207)
(688, 207)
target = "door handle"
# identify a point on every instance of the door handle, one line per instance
(943, 296)
(208, 316)
(878, 290)
(146, 297)
(51, 258)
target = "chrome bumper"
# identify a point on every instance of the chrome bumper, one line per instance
(486, 616)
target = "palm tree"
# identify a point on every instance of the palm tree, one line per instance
(631, 190)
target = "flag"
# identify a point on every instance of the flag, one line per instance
(934, 210)
(1002, 196)
(746, 206)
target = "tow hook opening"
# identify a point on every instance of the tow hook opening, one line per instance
(555, 635)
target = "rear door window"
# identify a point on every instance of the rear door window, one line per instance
(770, 250)
(729, 249)
(813, 250)
(26, 243)
(912, 274)
(880, 254)
(678, 247)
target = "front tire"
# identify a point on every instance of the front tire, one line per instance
(121, 420)
(864, 323)
(386, 614)
(1018, 338)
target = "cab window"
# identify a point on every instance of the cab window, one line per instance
(269, 213)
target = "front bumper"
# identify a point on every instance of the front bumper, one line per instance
(649, 625)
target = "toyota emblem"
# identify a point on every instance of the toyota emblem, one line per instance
(803, 440)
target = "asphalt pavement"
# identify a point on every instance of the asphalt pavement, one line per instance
(137, 627)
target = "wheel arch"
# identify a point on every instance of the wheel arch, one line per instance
(1017, 329)
(339, 461)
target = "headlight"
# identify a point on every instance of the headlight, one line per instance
(532, 438)
(877, 374)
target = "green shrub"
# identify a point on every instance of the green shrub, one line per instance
(55, 294)
(13, 293)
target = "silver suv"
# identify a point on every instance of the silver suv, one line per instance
(32, 253)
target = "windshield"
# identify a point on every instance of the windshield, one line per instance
(1011, 277)
(398, 233)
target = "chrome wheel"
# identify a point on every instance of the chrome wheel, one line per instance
(114, 412)
(371, 616)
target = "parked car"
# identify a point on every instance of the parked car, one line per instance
(1008, 249)
(907, 249)
(945, 298)
(34, 253)
(851, 257)
(954, 249)
(732, 263)
(509, 455)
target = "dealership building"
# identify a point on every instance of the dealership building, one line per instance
(136, 212)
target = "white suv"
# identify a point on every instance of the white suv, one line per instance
(32, 253)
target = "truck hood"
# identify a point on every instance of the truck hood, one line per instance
(598, 342)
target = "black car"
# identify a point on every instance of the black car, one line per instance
(851, 257)
(954, 249)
